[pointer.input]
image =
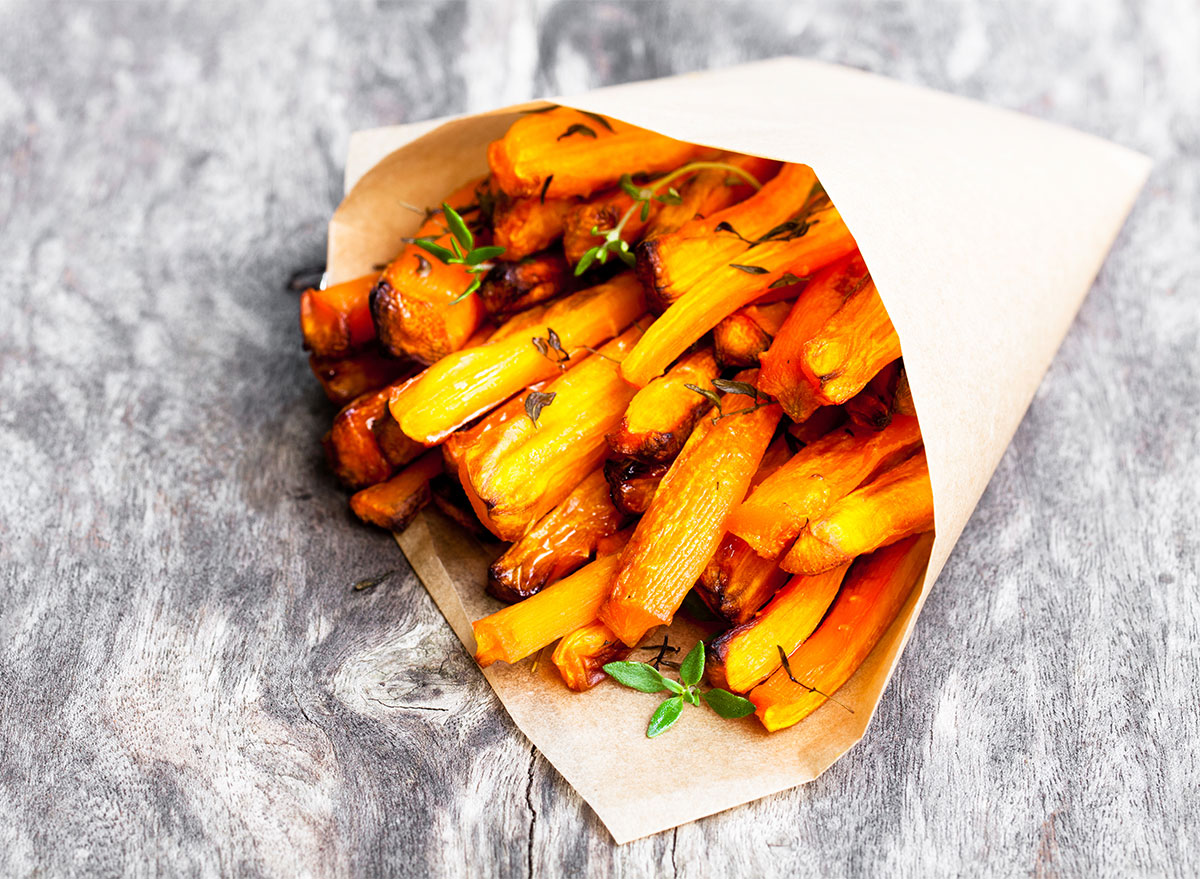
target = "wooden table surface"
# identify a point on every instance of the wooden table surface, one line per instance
(188, 684)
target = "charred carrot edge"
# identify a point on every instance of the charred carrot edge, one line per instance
(511, 287)
(661, 415)
(710, 191)
(874, 405)
(344, 378)
(857, 342)
(823, 421)
(738, 341)
(353, 452)
(895, 505)
(632, 483)
(511, 634)
(523, 226)
(745, 656)
(581, 655)
(394, 503)
(397, 448)
(670, 265)
(468, 383)
(451, 502)
(686, 520)
(602, 212)
(417, 303)
(737, 581)
(560, 542)
(726, 288)
(819, 475)
(337, 320)
(873, 594)
(532, 463)
(553, 154)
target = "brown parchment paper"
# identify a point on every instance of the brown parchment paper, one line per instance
(983, 230)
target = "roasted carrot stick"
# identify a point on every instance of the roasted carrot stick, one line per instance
(353, 452)
(560, 542)
(337, 320)
(661, 415)
(873, 593)
(851, 348)
(602, 213)
(511, 634)
(468, 383)
(686, 520)
(632, 483)
(455, 445)
(344, 378)
(737, 581)
(396, 447)
(744, 657)
(394, 503)
(582, 655)
(523, 226)
(710, 191)
(729, 286)
(449, 499)
(562, 152)
(416, 303)
(532, 463)
(670, 265)
(819, 475)
(515, 286)
(741, 338)
(875, 404)
(894, 505)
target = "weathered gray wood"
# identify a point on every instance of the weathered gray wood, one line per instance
(187, 683)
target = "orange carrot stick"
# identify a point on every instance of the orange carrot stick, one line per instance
(344, 378)
(737, 581)
(851, 348)
(582, 655)
(511, 287)
(353, 452)
(661, 415)
(874, 591)
(523, 226)
(337, 320)
(740, 339)
(710, 191)
(632, 483)
(874, 405)
(393, 504)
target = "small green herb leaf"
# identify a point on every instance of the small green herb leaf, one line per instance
(637, 676)
(750, 270)
(535, 402)
(692, 667)
(674, 687)
(727, 704)
(711, 396)
(693, 696)
(586, 261)
(664, 718)
(630, 190)
(428, 244)
(458, 227)
(577, 128)
(734, 387)
(483, 254)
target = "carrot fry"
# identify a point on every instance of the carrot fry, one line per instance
(581, 655)
(741, 338)
(337, 320)
(511, 287)
(415, 303)
(514, 632)
(353, 452)
(686, 520)
(394, 503)
(344, 378)
(468, 383)
(710, 191)
(532, 463)
(454, 447)
(819, 475)
(895, 505)
(661, 415)
(874, 405)
(560, 542)
(523, 226)
(851, 348)
(873, 593)
(563, 152)
(725, 288)
(745, 656)
(737, 581)
(670, 265)
(396, 447)
(632, 483)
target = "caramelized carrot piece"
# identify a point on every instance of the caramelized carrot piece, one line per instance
(394, 503)
(466, 384)
(449, 499)
(415, 303)
(454, 447)
(670, 265)
(819, 475)
(745, 656)
(894, 505)
(726, 288)
(528, 466)
(397, 448)
(602, 213)
(344, 378)
(353, 452)
(710, 191)
(873, 593)
(562, 152)
(875, 404)
(523, 226)
(737, 581)
(511, 634)
(511, 287)
(560, 542)
(686, 520)
(661, 415)
(632, 483)
(337, 320)
(582, 655)
(851, 348)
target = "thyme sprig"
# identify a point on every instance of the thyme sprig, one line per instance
(728, 386)
(614, 244)
(645, 678)
(462, 250)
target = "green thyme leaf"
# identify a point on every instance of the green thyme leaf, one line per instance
(734, 387)
(637, 676)
(577, 128)
(787, 280)
(711, 396)
(727, 704)
(483, 254)
(471, 288)
(586, 260)
(598, 119)
(458, 227)
(664, 718)
(674, 687)
(750, 270)
(630, 190)
(535, 402)
(692, 696)
(692, 667)
(428, 244)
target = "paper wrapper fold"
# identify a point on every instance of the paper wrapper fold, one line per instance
(983, 230)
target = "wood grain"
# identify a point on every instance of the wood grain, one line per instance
(188, 684)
